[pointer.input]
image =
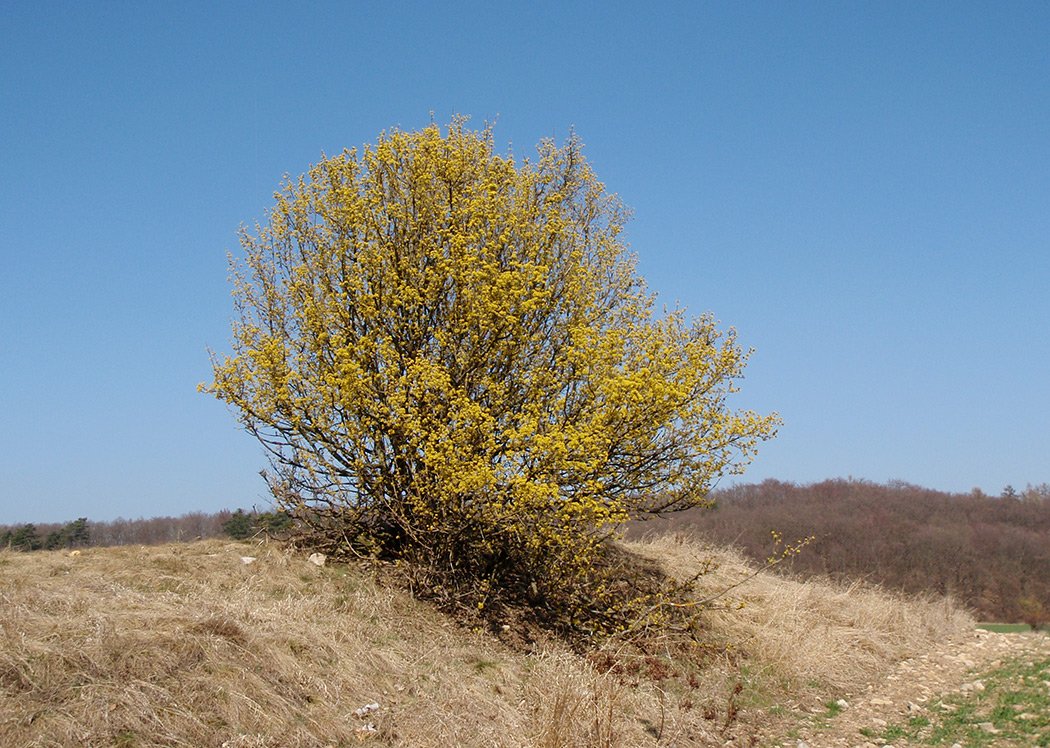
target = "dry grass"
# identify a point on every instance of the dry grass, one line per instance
(811, 638)
(184, 645)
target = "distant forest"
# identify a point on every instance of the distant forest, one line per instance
(991, 553)
(82, 533)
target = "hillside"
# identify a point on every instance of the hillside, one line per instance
(988, 553)
(187, 645)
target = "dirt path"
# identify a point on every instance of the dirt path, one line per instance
(916, 683)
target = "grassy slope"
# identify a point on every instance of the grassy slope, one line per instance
(184, 645)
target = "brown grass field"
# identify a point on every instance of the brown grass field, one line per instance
(185, 645)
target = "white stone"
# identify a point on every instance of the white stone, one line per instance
(247, 560)
(366, 709)
(317, 559)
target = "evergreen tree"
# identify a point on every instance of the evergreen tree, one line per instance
(77, 532)
(239, 526)
(56, 539)
(25, 538)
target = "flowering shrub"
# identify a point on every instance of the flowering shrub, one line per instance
(452, 361)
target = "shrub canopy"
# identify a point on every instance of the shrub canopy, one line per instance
(450, 357)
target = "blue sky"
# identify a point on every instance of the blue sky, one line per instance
(861, 189)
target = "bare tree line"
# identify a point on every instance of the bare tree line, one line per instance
(990, 552)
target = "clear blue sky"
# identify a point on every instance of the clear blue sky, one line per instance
(861, 189)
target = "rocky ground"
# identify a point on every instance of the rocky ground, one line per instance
(913, 686)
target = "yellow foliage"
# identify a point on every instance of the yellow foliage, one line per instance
(450, 354)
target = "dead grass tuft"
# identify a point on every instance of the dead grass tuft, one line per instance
(223, 627)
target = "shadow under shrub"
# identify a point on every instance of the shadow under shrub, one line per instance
(583, 590)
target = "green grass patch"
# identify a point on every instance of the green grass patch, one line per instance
(834, 709)
(1012, 710)
(1006, 628)
(822, 720)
